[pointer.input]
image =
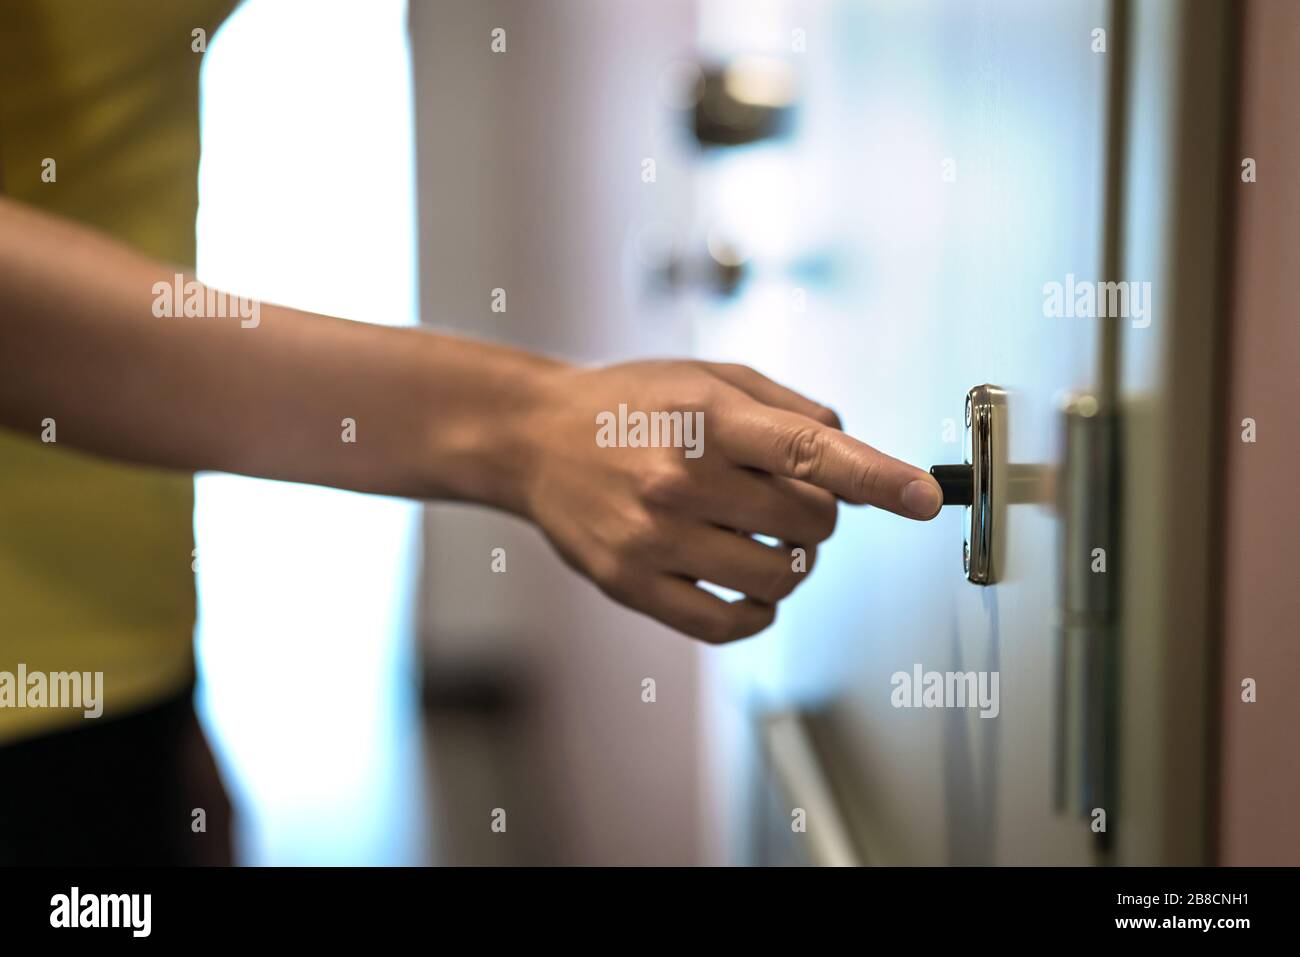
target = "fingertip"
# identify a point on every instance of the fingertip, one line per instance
(922, 499)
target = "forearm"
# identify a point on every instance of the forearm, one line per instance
(80, 344)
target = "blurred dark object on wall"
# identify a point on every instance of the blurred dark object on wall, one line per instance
(752, 98)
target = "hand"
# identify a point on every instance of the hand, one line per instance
(647, 523)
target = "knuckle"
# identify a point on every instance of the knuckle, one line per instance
(704, 399)
(696, 391)
(733, 622)
(740, 370)
(802, 450)
(610, 572)
(718, 630)
(755, 620)
(712, 627)
(666, 485)
(639, 536)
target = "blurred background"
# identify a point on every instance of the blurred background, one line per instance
(864, 201)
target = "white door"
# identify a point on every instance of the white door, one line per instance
(947, 166)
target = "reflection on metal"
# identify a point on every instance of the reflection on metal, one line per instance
(801, 777)
(748, 100)
(986, 423)
(981, 484)
(1086, 679)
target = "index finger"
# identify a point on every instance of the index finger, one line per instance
(786, 443)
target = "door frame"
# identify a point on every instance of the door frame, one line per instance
(1179, 68)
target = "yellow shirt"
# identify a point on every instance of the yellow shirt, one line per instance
(95, 557)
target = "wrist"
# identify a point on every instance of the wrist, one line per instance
(484, 446)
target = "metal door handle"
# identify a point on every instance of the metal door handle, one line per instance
(1086, 656)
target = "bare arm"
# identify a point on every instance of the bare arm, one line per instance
(441, 417)
(79, 343)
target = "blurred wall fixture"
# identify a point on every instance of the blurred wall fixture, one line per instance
(719, 270)
(750, 99)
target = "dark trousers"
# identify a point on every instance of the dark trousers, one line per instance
(115, 791)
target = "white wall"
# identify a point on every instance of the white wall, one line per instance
(529, 180)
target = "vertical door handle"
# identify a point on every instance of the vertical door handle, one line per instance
(1086, 677)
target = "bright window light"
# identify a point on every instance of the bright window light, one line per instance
(306, 594)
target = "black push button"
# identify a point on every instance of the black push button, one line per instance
(957, 483)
